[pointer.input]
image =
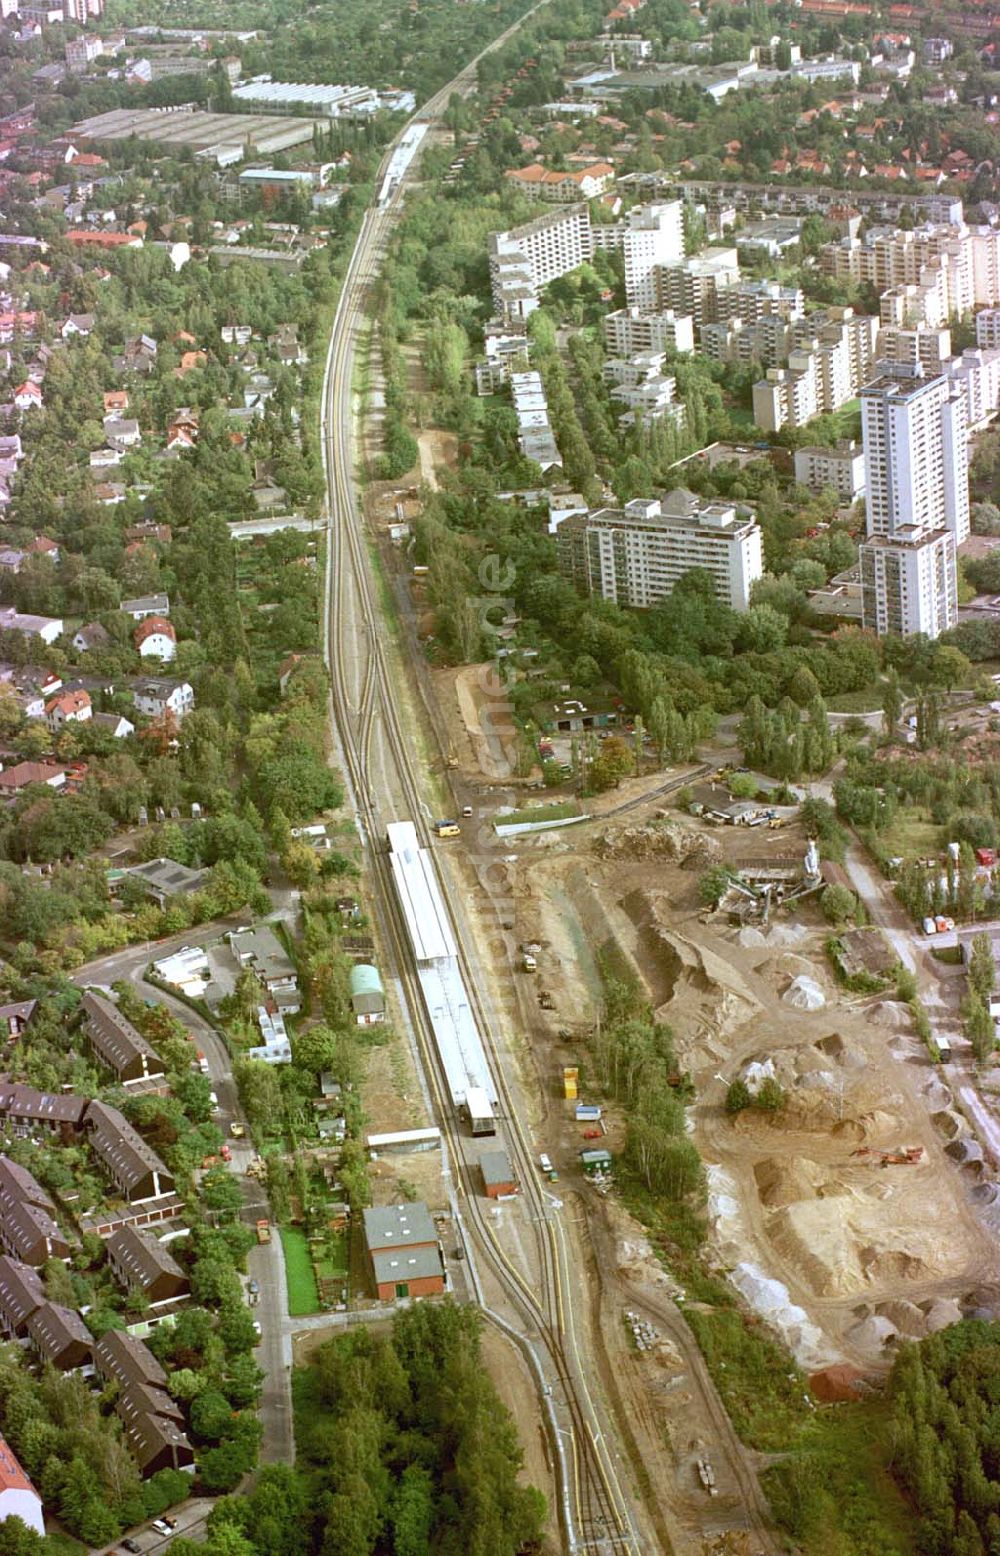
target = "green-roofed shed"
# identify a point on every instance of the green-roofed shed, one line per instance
(367, 994)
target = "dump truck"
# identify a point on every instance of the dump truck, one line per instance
(237, 1131)
(263, 1230)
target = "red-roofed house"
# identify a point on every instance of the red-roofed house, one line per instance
(155, 635)
(188, 362)
(68, 708)
(43, 546)
(84, 238)
(581, 184)
(115, 403)
(18, 1497)
(28, 396)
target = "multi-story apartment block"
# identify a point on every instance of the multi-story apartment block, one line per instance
(930, 348)
(562, 188)
(768, 340)
(840, 469)
(917, 501)
(526, 258)
(892, 258)
(832, 356)
(700, 286)
(635, 555)
(629, 330)
(641, 385)
(977, 373)
(767, 299)
(652, 235)
(988, 328)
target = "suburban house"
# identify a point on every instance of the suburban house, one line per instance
(81, 324)
(14, 1018)
(21, 1292)
(124, 1155)
(59, 1335)
(18, 1497)
(117, 1044)
(93, 635)
(165, 878)
(405, 1254)
(68, 708)
(146, 605)
(28, 396)
(158, 696)
(155, 636)
(261, 950)
(114, 724)
(28, 1229)
(140, 1262)
(14, 779)
(48, 628)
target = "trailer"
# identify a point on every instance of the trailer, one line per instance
(588, 1113)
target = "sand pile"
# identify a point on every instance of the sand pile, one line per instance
(666, 839)
(771, 1300)
(890, 1013)
(850, 1056)
(784, 1181)
(804, 993)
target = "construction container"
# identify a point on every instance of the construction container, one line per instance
(587, 1113)
(571, 1076)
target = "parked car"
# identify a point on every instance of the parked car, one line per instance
(132, 1546)
(161, 1526)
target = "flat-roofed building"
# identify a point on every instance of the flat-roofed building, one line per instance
(634, 556)
(840, 468)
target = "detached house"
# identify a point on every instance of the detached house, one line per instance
(157, 697)
(155, 637)
(28, 396)
(68, 708)
(18, 1497)
(81, 324)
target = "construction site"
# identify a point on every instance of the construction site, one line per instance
(857, 1213)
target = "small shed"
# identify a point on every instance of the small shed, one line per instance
(594, 1161)
(367, 995)
(499, 1178)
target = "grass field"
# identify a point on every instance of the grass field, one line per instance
(562, 811)
(303, 1297)
(913, 835)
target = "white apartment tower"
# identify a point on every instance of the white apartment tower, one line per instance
(634, 556)
(917, 502)
(653, 235)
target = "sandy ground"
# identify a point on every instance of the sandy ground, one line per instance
(844, 1254)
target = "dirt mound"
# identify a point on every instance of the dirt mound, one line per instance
(847, 1054)
(939, 1314)
(665, 839)
(871, 1335)
(906, 1317)
(804, 993)
(892, 1264)
(966, 1152)
(890, 1013)
(947, 1122)
(785, 1181)
(750, 938)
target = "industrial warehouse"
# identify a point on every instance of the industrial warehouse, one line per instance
(221, 137)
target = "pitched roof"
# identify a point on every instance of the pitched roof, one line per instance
(142, 1256)
(117, 1143)
(122, 1356)
(55, 1328)
(12, 1476)
(114, 1038)
(21, 1290)
(152, 625)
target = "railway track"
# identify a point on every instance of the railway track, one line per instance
(594, 1512)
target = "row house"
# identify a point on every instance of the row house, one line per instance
(59, 1336)
(28, 1228)
(133, 1166)
(140, 1262)
(117, 1044)
(152, 1421)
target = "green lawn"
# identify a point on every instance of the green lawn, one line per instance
(913, 835)
(303, 1298)
(561, 811)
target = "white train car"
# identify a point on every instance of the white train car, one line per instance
(456, 1031)
(400, 160)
